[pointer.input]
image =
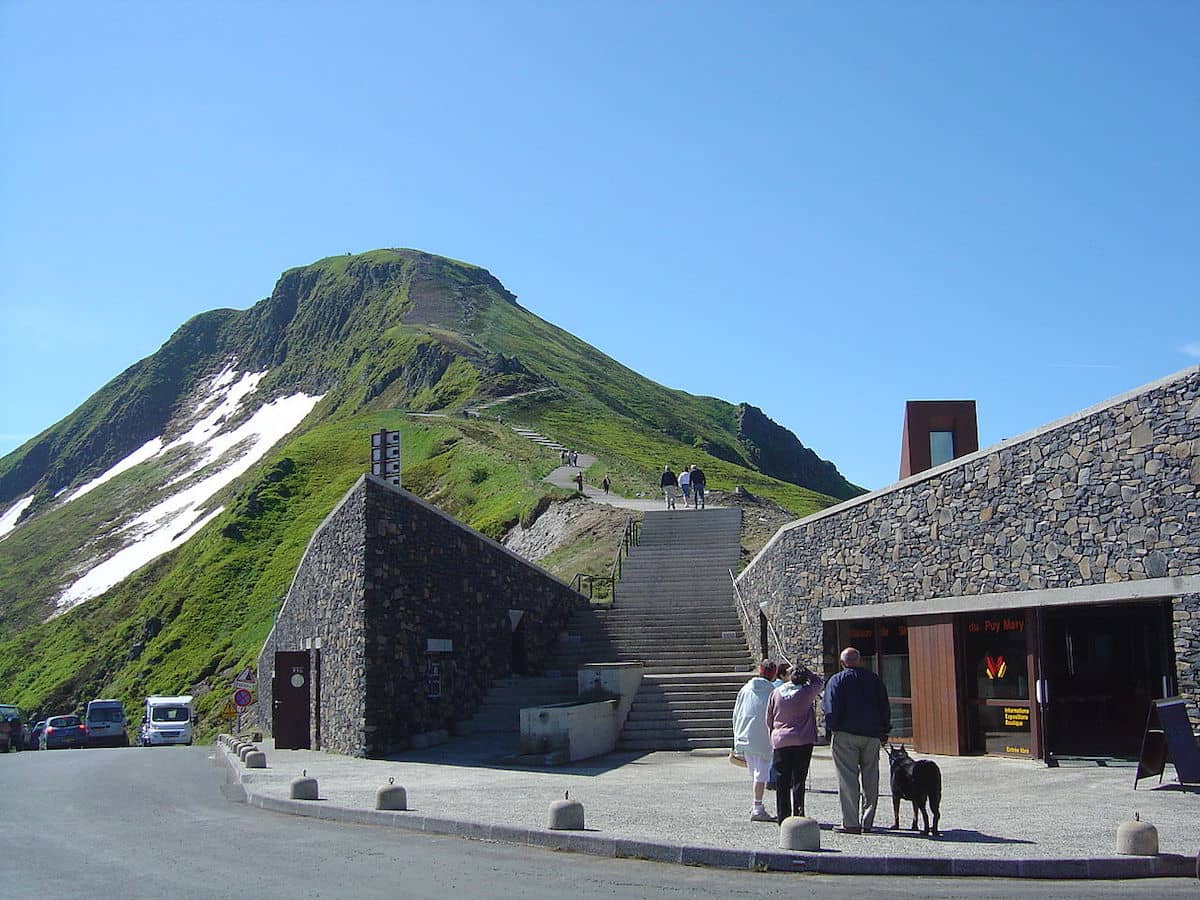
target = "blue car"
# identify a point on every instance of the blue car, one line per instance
(64, 731)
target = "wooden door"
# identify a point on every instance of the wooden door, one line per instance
(933, 666)
(291, 695)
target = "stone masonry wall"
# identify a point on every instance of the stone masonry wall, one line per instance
(1109, 496)
(429, 576)
(325, 603)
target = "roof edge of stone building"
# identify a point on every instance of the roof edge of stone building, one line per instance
(970, 458)
(358, 482)
(380, 482)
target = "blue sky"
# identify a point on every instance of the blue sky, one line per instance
(821, 209)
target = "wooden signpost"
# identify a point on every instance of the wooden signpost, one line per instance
(1169, 736)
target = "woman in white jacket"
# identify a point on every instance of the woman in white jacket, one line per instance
(751, 737)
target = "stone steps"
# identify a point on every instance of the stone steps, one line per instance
(675, 611)
(500, 711)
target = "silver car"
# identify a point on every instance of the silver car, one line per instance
(106, 724)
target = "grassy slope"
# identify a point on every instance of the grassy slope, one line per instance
(204, 609)
(214, 598)
(632, 425)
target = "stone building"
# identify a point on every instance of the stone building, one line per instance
(1027, 599)
(397, 622)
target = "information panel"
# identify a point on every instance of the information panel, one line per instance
(1169, 736)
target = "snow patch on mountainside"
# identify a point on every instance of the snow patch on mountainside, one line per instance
(151, 448)
(174, 520)
(8, 521)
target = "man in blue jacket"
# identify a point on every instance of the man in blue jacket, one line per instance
(858, 716)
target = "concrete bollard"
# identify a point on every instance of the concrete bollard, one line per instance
(391, 796)
(1137, 838)
(566, 814)
(246, 748)
(799, 833)
(256, 759)
(304, 788)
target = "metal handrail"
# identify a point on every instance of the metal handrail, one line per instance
(631, 537)
(771, 632)
(581, 577)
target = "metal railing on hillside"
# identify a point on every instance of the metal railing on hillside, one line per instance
(629, 538)
(766, 627)
(591, 581)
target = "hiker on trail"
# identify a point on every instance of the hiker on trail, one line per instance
(606, 483)
(685, 485)
(579, 481)
(667, 483)
(562, 456)
(698, 483)
(751, 738)
(793, 725)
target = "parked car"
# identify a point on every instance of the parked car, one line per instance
(64, 731)
(12, 729)
(167, 720)
(33, 736)
(105, 720)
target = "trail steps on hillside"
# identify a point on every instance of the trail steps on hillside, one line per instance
(675, 611)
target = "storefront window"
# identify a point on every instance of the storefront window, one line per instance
(995, 665)
(883, 644)
(994, 653)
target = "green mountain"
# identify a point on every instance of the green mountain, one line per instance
(221, 453)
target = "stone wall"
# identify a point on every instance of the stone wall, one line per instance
(1108, 496)
(429, 576)
(325, 608)
(385, 574)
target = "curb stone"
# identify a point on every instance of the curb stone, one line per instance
(1165, 865)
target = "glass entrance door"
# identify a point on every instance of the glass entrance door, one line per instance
(1103, 665)
(996, 671)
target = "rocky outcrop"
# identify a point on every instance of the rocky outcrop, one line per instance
(777, 452)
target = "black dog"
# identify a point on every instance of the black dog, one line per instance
(917, 780)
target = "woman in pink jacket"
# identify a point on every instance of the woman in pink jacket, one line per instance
(793, 727)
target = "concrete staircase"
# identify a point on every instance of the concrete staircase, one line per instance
(675, 612)
(500, 711)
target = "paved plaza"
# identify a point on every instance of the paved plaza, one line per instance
(999, 817)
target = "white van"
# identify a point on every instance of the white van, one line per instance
(105, 720)
(167, 720)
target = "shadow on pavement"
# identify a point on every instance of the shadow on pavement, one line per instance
(484, 754)
(949, 836)
(1180, 788)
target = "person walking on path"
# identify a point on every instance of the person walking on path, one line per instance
(793, 725)
(606, 483)
(667, 483)
(685, 485)
(859, 717)
(751, 738)
(579, 481)
(698, 481)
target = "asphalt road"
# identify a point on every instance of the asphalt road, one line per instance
(157, 823)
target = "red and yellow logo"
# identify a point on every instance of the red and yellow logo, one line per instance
(997, 667)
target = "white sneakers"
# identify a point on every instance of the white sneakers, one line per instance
(759, 814)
